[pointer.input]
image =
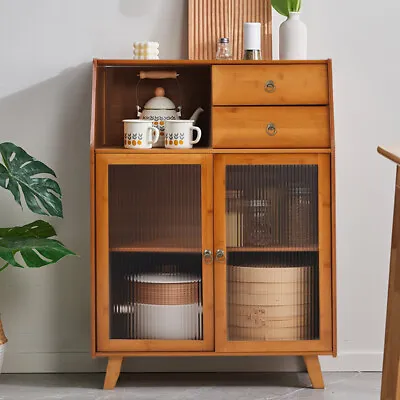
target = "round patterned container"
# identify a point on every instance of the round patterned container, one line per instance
(167, 306)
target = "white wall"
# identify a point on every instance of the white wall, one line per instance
(46, 47)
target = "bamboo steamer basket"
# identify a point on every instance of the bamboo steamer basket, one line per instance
(269, 302)
(166, 307)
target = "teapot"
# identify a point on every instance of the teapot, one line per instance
(160, 109)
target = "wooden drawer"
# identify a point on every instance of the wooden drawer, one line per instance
(289, 127)
(288, 84)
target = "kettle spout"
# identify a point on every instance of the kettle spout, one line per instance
(196, 114)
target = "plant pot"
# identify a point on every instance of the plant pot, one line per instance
(293, 38)
(3, 341)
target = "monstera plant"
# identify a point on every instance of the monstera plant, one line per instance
(33, 245)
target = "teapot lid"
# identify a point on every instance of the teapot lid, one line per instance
(159, 102)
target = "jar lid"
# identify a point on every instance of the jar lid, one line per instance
(224, 40)
(159, 102)
(163, 278)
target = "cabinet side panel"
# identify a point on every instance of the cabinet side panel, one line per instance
(333, 212)
(93, 214)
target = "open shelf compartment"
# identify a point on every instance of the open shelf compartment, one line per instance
(118, 94)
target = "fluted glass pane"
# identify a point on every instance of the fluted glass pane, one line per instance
(155, 252)
(272, 248)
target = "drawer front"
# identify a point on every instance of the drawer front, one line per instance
(270, 127)
(270, 84)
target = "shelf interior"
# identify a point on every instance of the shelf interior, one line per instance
(118, 94)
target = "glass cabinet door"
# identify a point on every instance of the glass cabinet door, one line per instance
(154, 246)
(273, 259)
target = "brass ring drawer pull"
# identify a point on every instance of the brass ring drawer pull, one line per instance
(271, 129)
(270, 87)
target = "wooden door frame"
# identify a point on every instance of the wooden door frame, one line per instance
(325, 343)
(103, 341)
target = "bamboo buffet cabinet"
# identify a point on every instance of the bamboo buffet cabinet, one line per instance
(227, 248)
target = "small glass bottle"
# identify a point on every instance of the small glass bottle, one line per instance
(223, 49)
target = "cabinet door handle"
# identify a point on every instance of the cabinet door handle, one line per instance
(271, 129)
(208, 256)
(220, 255)
(270, 87)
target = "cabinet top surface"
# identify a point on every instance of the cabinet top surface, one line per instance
(129, 62)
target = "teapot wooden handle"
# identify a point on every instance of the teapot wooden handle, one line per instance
(158, 74)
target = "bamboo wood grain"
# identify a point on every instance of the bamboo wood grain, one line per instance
(102, 255)
(207, 216)
(104, 343)
(314, 371)
(113, 371)
(294, 85)
(121, 150)
(220, 284)
(101, 156)
(325, 250)
(93, 214)
(324, 343)
(129, 62)
(296, 127)
(158, 74)
(391, 362)
(209, 20)
(206, 353)
(333, 206)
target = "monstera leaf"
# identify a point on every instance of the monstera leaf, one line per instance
(21, 172)
(33, 242)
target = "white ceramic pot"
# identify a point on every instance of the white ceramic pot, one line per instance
(167, 322)
(293, 38)
(159, 109)
(179, 134)
(139, 134)
(2, 351)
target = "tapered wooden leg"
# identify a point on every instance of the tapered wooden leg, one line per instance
(112, 374)
(314, 371)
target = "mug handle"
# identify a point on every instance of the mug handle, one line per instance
(156, 132)
(198, 130)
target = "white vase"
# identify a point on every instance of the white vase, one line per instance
(293, 38)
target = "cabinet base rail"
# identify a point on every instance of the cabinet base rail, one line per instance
(312, 364)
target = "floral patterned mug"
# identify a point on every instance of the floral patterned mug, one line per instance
(179, 134)
(139, 134)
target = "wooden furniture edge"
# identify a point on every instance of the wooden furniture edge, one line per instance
(207, 354)
(129, 62)
(314, 371)
(390, 154)
(93, 212)
(121, 150)
(390, 387)
(333, 208)
(113, 371)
